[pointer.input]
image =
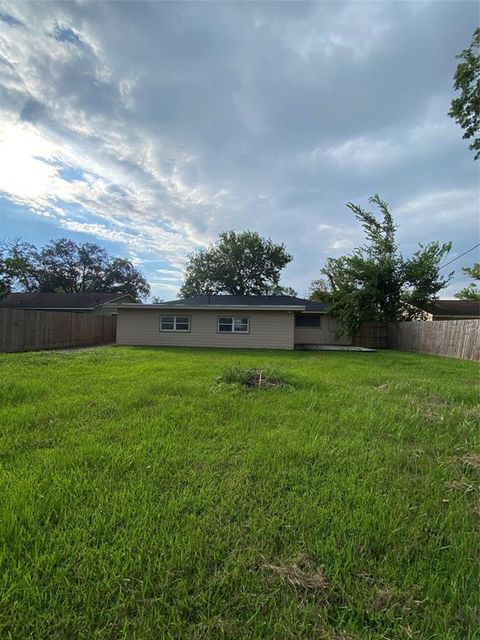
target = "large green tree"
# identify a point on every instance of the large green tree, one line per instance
(237, 264)
(320, 290)
(375, 282)
(18, 266)
(471, 291)
(465, 108)
(68, 266)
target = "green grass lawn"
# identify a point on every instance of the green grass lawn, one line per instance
(141, 499)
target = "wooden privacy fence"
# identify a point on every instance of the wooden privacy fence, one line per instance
(31, 330)
(373, 335)
(456, 338)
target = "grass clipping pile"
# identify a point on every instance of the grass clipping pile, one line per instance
(254, 377)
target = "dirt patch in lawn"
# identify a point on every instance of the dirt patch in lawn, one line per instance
(436, 400)
(472, 460)
(302, 573)
(473, 413)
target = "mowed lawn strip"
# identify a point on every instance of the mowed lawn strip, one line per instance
(141, 498)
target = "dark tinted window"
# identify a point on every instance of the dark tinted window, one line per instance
(312, 320)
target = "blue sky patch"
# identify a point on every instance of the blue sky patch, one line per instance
(10, 20)
(66, 34)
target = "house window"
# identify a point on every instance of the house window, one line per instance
(233, 324)
(307, 320)
(175, 323)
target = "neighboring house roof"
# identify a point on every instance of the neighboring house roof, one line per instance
(454, 308)
(74, 301)
(250, 302)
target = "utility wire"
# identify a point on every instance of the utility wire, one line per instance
(462, 254)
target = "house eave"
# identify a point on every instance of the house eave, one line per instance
(313, 312)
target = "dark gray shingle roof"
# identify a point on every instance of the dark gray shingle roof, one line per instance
(58, 300)
(251, 301)
(454, 308)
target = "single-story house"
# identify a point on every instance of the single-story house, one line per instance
(260, 322)
(95, 302)
(453, 310)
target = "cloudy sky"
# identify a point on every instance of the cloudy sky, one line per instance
(151, 127)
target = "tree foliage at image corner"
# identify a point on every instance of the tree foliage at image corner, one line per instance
(465, 108)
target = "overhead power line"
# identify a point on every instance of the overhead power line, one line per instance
(462, 254)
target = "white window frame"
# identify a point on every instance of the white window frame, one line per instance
(233, 330)
(175, 319)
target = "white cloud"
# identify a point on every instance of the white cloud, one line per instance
(357, 28)
(454, 206)
(357, 152)
(123, 185)
(168, 272)
(25, 172)
(368, 152)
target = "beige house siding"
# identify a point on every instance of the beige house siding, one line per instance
(268, 329)
(326, 333)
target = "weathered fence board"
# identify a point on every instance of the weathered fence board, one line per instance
(34, 330)
(455, 338)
